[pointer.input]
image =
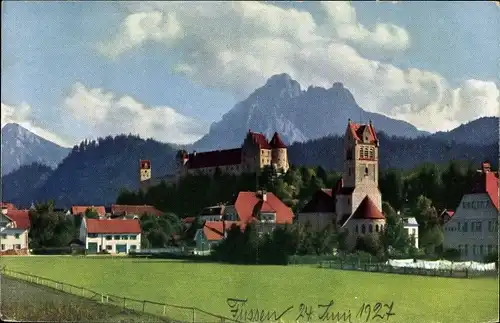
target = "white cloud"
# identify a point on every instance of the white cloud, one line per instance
(105, 113)
(236, 46)
(22, 116)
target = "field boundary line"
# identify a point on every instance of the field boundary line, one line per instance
(114, 300)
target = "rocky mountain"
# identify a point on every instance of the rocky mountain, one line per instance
(298, 115)
(482, 131)
(22, 147)
(94, 172)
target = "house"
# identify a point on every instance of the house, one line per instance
(14, 229)
(81, 210)
(319, 211)
(8, 206)
(113, 235)
(445, 216)
(356, 201)
(212, 234)
(411, 226)
(473, 228)
(131, 211)
(212, 213)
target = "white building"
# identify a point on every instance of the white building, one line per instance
(113, 235)
(473, 229)
(411, 226)
(14, 227)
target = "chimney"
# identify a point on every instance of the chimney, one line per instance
(370, 123)
(486, 167)
(194, 152)
(349, 120)
(264, 196)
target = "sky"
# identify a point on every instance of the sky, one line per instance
(167, 70)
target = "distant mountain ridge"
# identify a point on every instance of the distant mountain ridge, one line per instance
(482, 131)
(22, 147)
(298, 115)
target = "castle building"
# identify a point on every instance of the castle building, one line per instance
(355, 203)
(255, 153)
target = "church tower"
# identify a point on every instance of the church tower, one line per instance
(361, 155)
(144, 174)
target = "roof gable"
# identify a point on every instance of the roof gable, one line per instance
(213, 229)
(20, 218)
(357, 131)
(259, 139)
(248, 204)
(276, 142)
(367, 210)
(113, 226)
(487, 182)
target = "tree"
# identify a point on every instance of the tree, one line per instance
(391, 186)
(91, 214)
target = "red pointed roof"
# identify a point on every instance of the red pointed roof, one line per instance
(248, 202)
(367, 210)
(259, 139)
(276, 142)
(357, 131)
(487, 182)
(20, 217)
(113, 226)
(214, 158)
(213, 229)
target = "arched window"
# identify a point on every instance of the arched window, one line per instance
(356, 229)
(372, 153)
(360, 152)
(366, 171)
(370, 228)
(363, 229)
(376, 227)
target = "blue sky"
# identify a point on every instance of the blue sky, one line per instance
(59, 81)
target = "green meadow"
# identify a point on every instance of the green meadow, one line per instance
(304, 290)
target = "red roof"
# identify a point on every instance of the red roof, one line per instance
(357, 131)
(213, 229)
(113, 226)
(367, 210)
(8, 206)
(249, 203)
(214, 158)
(276, 141)
(76, 209)
(487, 182)
(135, 209)
(259, 139)
(20, 217)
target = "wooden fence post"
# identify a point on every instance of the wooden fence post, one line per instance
(143, 306)
(164, 309)
(124, 304)
(194, 315)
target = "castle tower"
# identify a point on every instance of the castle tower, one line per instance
(279, 155)
(182, 158)
(361, 155)
(144, 174)
(255, 151)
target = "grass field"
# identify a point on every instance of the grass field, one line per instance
(275, 288)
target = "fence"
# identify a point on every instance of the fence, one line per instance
(176, 313)
(385, 268)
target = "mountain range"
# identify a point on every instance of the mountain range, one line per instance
(313, 120)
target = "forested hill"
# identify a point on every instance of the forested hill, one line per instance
(94, 172)
(395, 152)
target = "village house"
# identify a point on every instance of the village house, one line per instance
(411, 227)
(263, 209)
(113, 235)
(81, 210)
(355, 203)
(133, 211)
(473, 228)
(14, 229)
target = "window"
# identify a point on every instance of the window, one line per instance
(133, 237)
(365, 153)
(460, 248)
(490, 248)
(133, 247)
(466, 249)
(3, 247)
(16, 235)
(459, 226)
(4, 236)
(376, 227)
(479, 226)
(109, 247)
(92, 235)
(349, 170)
(481, 249)
(363, 229)
(473, 249)
(372, 153)
(366, 171)
(124, 237)
(370, 228)
(116, 237)
(109, 237)
(489, 226)
(17, 246)
(356, 229)
(465, 227)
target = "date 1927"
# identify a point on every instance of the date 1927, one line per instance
(375, 311)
